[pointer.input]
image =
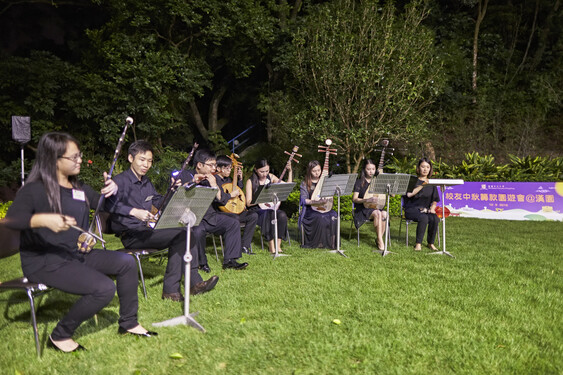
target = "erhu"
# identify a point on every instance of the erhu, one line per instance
(87, 239)
(158, 211)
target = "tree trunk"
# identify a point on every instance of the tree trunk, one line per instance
(198, 121)
(482, 9)
(213, 123)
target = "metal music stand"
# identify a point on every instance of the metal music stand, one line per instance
(443, 183)
(186, 208)
(339, 184)
(274, 193)
(391, 184)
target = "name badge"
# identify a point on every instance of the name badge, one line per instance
(78, 195)
(149, 198)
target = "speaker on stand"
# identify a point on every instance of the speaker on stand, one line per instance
(21, 133)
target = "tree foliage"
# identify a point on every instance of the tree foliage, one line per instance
(359, 71)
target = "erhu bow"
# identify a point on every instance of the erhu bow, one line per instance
(87, 239)
(158, 211)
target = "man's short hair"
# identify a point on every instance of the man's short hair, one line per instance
(203, 156)
(140, 146)
(223, 161)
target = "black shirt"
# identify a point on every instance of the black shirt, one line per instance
(132, 193)
(424, 198)
(40, 247)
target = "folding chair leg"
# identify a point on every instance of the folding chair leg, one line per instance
(141, 274)
(288, 237)
(358, 230)
(407, 230)
(34, 321)
(222, 249)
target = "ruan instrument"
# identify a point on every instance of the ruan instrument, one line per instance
(292, 157)
(157, 211)
(87, 240)
(235, 205)
(381, 198)
(316, 195)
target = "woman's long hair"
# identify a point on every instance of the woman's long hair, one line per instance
(260, 163)
(50, 148)
(418, 167)
(308, 175)
(363, 175)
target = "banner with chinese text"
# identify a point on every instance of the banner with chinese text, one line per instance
(506, 200)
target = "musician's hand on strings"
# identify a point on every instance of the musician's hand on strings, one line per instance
(110, 187)
(235, 193)
(142, 215)
(175, 183)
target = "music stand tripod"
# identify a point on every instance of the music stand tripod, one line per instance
(274, 193)
(390, 184)
(339, 184)
(186, 208)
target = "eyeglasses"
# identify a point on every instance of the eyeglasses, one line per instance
(74, 158)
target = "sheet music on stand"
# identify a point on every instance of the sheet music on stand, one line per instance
(345, 182)
(338, 184)
(274, 193)
(398, 183)
(186, 208)
(192, 201)
(268, 193)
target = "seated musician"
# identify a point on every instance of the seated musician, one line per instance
(365, 209)
(262, 176)
(131, 210)
(248, 218)
(319, 228)
(51, 201)
(420, 205)
(214, 221)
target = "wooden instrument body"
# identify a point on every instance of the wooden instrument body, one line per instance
(316, 195)
(380, 201)
(292, 157)
(237, 204)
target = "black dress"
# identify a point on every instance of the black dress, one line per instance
(361, 212)
(319, 229)
(265, 218)
(413, 206)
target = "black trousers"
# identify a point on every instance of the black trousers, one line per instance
(175, 240)
(89, 278)
(225, 225)
(423, 220)
(249, 219)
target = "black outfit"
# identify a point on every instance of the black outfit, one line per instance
(216, 222)
(53, 259)
(134, 233)
(265, 218)
(361, 212)
(423, 200)
(248, 218)
(319, 228)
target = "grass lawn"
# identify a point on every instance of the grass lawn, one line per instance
(497, 308)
